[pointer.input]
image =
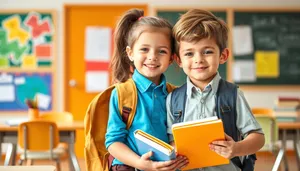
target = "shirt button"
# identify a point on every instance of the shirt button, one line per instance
(154, 95)
(202, 101)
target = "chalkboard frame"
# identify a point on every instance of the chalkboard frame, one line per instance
(52, 70)
(230, 21)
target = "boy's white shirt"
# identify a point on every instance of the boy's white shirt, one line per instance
(202, 105)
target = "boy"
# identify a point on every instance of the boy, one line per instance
(200, 46)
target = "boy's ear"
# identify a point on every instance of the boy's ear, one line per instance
(177, 60)
(129, 53)
(224, 56)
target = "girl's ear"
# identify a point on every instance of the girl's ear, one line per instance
(224, 56)
(129, 53)
(177, 60)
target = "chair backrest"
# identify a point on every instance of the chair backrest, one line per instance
(267, 121)
(262, 111)
(57, 116)
(38, 135)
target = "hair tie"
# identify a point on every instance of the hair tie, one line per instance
(140, 18)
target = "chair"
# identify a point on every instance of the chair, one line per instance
(42, 146)
(267, 121)
(65, 117)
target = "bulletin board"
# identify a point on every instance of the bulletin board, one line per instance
(16, 87)
(174, 73)
(27, 58)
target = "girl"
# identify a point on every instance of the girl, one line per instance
(143, 49)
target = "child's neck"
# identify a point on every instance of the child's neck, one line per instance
(201, 84)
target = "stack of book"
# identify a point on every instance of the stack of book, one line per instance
(287, 109)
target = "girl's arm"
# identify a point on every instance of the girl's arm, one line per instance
(127, 156)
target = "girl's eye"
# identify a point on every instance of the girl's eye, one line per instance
(205, 52)
(144, 49)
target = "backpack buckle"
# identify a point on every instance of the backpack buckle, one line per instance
(125, 113)
(225, 109)
(177, 115)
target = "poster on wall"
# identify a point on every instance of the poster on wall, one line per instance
(26, 40)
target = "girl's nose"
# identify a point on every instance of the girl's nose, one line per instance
(152, 56)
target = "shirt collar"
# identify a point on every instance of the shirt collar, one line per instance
(143, 84)
(214, 83)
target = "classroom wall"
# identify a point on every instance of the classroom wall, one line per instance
(256, 98)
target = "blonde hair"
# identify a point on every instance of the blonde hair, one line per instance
(197, 24)
(130, 26)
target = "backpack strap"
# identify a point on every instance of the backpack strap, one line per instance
(170, 87)
(226, 110)
(177, 106)
(127, 100)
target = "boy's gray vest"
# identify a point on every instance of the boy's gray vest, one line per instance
(225, 109)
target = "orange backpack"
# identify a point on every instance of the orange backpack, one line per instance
(95, 122)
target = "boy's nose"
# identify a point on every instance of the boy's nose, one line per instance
(198, 58)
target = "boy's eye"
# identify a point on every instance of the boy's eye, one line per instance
(205, 52)
(162, 51)
(189, 54)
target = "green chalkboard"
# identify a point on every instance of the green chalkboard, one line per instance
(175, 74)
(273, 32)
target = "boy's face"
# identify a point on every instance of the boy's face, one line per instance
(200, 60)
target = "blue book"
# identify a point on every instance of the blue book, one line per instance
(161, 151)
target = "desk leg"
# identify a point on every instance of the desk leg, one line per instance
(296, 147)
(281, 154)
(72, 155)
(10, 154)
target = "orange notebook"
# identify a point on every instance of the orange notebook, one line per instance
(192, 140)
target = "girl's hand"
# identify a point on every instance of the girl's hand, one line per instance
(226, 148)
(172, 165)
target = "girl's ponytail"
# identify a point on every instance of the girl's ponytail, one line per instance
(120, 64)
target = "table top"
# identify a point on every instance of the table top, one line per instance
(75, 125)
(28, 168)
(288, 125)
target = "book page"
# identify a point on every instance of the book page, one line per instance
(195, 122)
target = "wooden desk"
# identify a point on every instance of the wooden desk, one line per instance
(285, 129)
(67, 133)
(28, 168)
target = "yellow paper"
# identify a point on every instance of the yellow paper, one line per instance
(267, 64)
(29, 61)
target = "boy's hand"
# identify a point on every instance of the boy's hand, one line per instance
(226, 148)
(172, 165)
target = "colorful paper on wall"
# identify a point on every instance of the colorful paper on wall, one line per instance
(98, 43)
(244, 71)
(19, 36)
(267, 64)
(96, 81)
(242, 40)
(7, 93)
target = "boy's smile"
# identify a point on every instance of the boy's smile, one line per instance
(200, 60)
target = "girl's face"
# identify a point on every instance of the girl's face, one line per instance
(151, 53)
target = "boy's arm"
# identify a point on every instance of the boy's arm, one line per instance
(251, 144)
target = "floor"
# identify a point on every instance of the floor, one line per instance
(264, 163)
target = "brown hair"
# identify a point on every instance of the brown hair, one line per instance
(197, 24)
(130, 26)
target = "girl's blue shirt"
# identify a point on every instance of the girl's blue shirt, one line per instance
(150, 114)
